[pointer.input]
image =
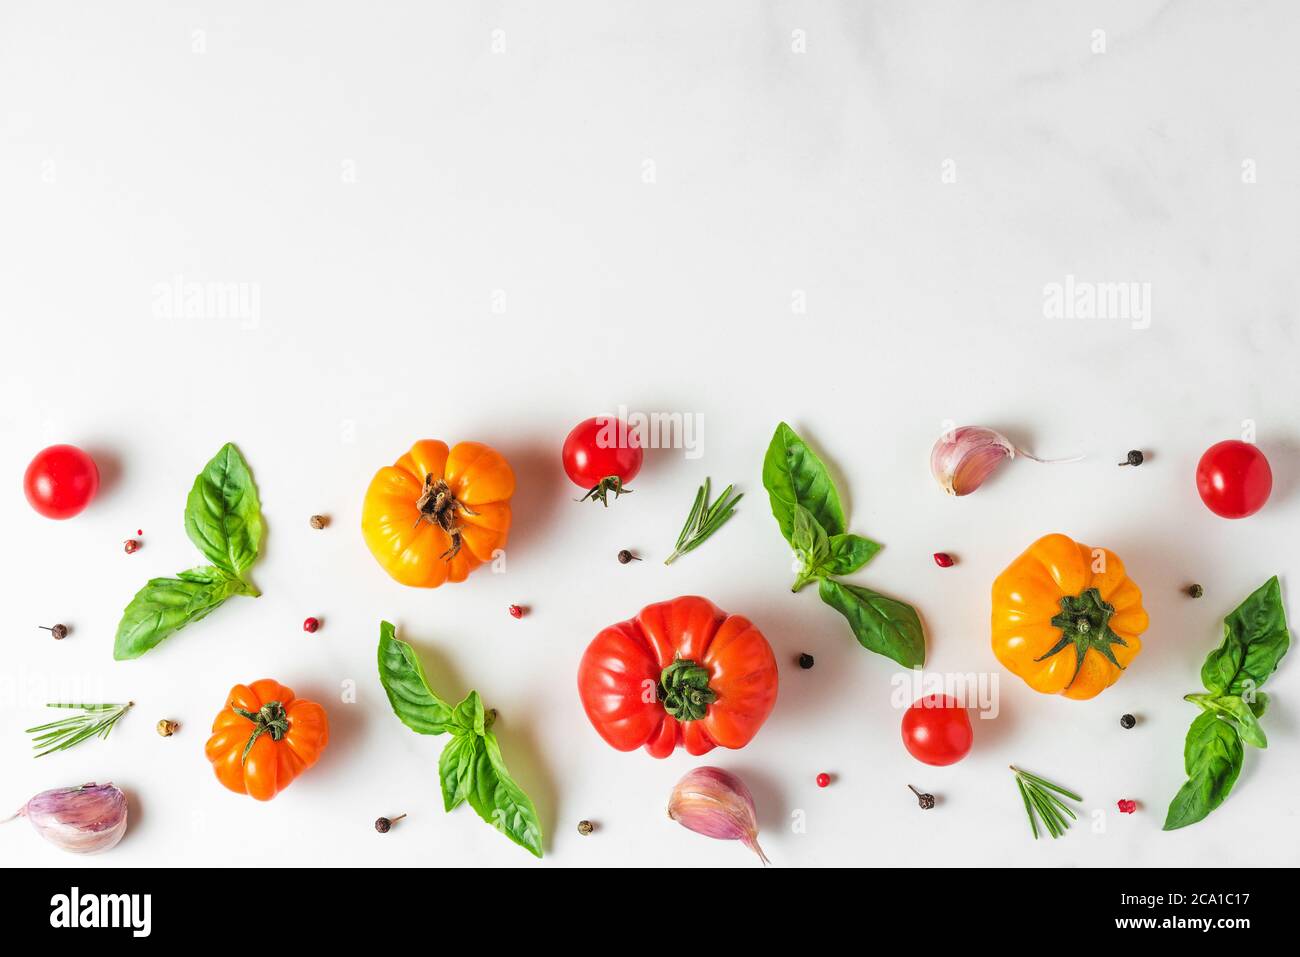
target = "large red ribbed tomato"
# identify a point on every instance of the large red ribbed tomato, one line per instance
(682, 673)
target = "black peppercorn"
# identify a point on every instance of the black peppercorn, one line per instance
(1134, 457)
(585, 828)
(805, 661)
(1127, 721)
(1196, 591)
(383, 824)
(625, 556)
(58, 632)
(926, 801)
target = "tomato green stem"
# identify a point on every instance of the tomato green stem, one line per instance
(1084, 622)
(599, 491)
(684, 690)
(270, 718)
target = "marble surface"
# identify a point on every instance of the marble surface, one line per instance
(491, 220)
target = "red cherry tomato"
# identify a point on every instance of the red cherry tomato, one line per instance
(936, 730)
(1234, 479)
(602, 455)
(61, 481)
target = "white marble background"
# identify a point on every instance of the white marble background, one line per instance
(382, 178)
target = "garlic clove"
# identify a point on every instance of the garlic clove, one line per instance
(964, 457)
(82, 820)
(716, 803)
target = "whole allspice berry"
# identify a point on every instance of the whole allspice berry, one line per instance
(384, 824)
(57, 632)
(319, 521)
(625, 556)
(585, 828)
(167, 728)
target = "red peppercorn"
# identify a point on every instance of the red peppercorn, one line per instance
(516, 611)
(1127, 807)
(943, 559)
(310, 625)
(823, 780)
(130, 545)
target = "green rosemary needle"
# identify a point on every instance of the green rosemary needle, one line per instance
(1040, 799)
(97, 720)
(704, 520)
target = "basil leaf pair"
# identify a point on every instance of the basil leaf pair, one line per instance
(223, 517)
(824, 554)
(1255, 638)
(471, 769)
(807, 509)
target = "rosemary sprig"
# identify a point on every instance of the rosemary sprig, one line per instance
(704, 520)
(1040, 800)
(96, 721)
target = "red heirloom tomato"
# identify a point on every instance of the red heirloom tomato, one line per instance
(682, 673)
(602, 455)
(936, 730)
(61, 481)
(1234, 479)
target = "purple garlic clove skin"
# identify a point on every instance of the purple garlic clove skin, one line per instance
(82, 820)
(716, 803)
(963, 458)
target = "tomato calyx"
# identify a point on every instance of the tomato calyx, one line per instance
(1084, 622)
(439, 507)
(610, 483)
(684, 690)
(271, 719)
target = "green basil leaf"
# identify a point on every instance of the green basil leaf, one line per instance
(810, 544)
(849, 552)
(222, 515)
(501, 802)
(1231, 706)
(166, 605)
(456, 768)
(794, 475)
(1258, 703)
(469, 715)
(883, 625)
(1212, 756)
(407, 688)
(1255, 637)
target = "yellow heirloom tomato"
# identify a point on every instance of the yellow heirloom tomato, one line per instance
(437, 514)
(1066, 618)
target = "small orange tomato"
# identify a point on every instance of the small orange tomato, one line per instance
(437, 514)
(264, 738)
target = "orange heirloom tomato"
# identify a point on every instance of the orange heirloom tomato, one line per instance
(435, 515)
(1066, 618)
(264, 738)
